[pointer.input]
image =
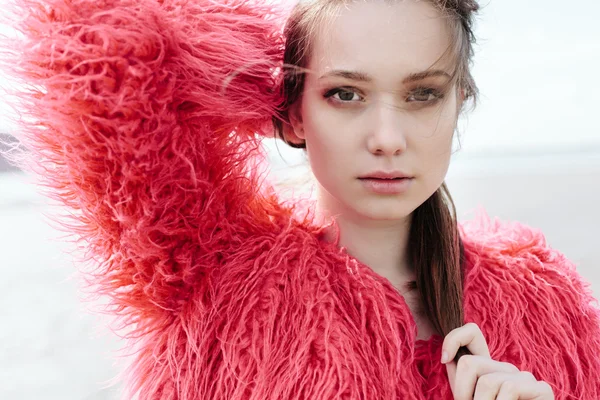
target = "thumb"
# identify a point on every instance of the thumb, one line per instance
(451, 371)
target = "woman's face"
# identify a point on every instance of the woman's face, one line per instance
(381, 115)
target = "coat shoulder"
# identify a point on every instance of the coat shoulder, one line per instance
(513, 250)
(534, 308)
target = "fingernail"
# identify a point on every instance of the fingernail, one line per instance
(444, 357)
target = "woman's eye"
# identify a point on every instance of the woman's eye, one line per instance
(420, 95)
(343, 95)
(424, 95)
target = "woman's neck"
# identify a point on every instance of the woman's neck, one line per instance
(381, 245)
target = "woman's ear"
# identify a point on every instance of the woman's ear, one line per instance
(294, 131)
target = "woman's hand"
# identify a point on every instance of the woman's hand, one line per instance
(478, 377)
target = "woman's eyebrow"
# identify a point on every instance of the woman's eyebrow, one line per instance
(364, 77)
(426, 74)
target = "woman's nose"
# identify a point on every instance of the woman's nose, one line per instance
(387, 130)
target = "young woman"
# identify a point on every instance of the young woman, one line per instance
(145, 118)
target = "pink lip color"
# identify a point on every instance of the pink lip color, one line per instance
(387, 186)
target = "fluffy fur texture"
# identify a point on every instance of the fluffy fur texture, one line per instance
(140, 117)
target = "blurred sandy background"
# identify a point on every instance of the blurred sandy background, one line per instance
(531, 152)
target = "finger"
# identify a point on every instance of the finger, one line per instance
(468, 335)
(491, 386)
(526, 390)
(470, 369)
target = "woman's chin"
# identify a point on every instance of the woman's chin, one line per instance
(385, 211)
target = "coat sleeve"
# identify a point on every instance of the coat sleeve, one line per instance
(144, 119)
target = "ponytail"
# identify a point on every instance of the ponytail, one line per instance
(437, 254)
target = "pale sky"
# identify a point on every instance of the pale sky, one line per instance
(537, 66)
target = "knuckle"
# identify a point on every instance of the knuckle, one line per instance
(472, 325)
(474, 329)
(514, 369)
(485, 382)
(510, 387)
(465, 363)
(454, 332)
(546, 388)
(528, 375)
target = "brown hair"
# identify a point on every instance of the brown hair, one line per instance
(435, 247)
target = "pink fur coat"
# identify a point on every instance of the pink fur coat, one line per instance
(144, 118)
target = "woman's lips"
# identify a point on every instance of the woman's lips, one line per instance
(386, 186)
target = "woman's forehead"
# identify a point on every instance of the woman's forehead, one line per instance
(382, 39)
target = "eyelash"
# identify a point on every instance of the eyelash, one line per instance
(438, 95)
